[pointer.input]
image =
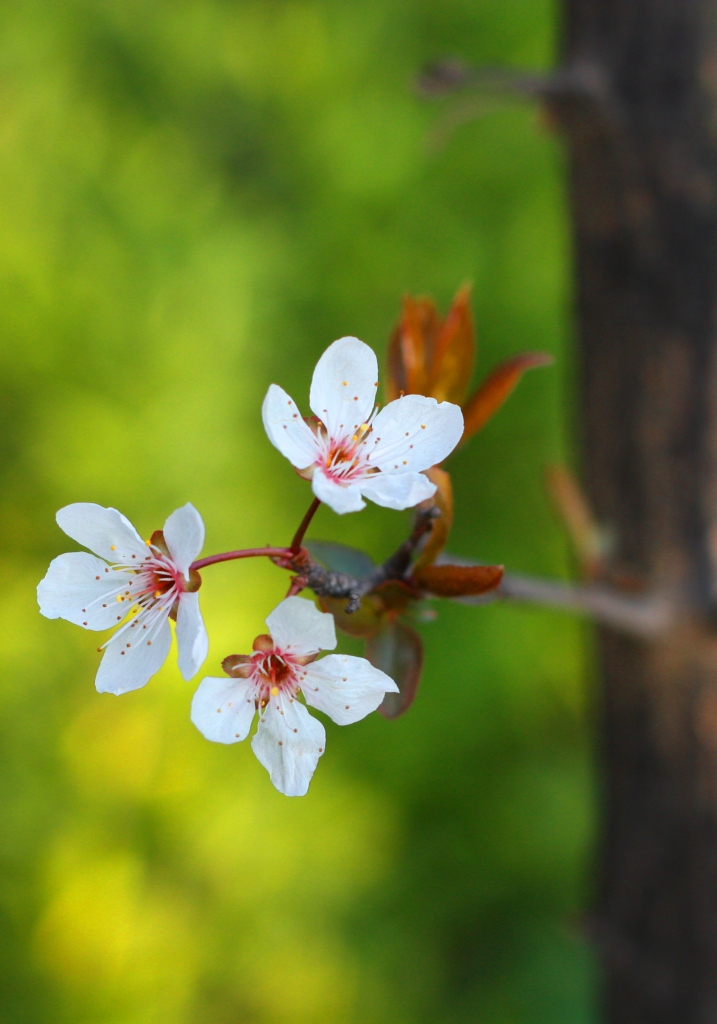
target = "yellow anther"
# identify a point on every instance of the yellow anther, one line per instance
(112, 547)
(274, 691)
(148, 543)
(157, 593)
(119, 599)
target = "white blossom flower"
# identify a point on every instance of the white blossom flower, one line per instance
(355, 452)
(133, 582)
(288, 741)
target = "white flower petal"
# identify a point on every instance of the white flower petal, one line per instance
(286, 428)
(223, 709)
(80, 588)
(340, 498)
(345, 688)
(343, 388)
(103, 530)
(298, 627)
(289, 743)
(191, 634)
(398, 490)
(415, 433)
(126, 668)
(184, 534)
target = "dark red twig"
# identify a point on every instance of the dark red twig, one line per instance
(229, 556)
(304, 525)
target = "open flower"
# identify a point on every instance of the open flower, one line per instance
(140, 582)
(351, 451)
(288, 741)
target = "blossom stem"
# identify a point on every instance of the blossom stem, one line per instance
(229, 556)
(297, 585)
(304, 525)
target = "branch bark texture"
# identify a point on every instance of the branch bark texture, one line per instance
(644, 203)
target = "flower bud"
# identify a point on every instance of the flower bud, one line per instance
(263, 643)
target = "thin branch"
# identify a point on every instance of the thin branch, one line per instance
(564, 93)
(646, 616)
(580, 81)
(339, 584)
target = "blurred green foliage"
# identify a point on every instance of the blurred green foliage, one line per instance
(197, 197)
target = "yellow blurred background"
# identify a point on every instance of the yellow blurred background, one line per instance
(196, 198)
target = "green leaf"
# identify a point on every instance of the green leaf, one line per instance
(398, 651)
(340, 557)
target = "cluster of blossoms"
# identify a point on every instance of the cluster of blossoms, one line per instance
(349, 451)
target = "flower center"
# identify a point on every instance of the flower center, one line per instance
(340, 460)
(154, 581)
(159, 578)
(165, 578)
(274, 673)
(345, 459)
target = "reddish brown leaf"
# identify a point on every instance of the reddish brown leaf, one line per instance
(443, 500)
(398, 651)
(459, 580)
(454, 352)
(410, 348)
(490, 395)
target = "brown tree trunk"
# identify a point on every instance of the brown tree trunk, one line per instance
(641, 128)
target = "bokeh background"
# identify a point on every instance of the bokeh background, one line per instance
(196, 197)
